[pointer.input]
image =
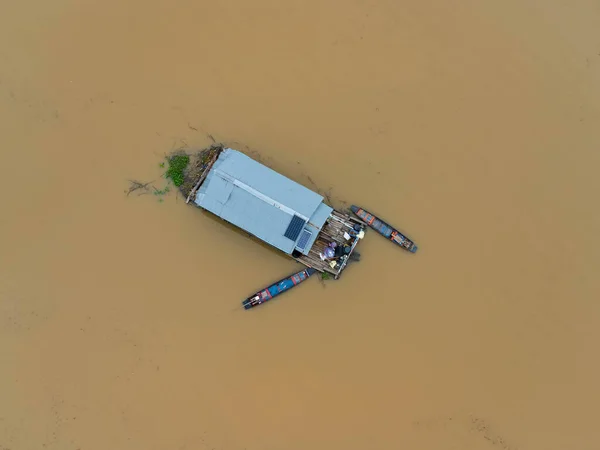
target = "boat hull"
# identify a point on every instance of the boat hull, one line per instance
(384, 229)
(275, 289)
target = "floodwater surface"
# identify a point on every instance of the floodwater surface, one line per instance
(471, 126)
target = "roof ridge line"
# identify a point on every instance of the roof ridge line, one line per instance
(259, 195)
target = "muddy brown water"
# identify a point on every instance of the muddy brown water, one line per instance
(472, 126)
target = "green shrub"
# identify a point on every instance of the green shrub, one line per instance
(177, 165)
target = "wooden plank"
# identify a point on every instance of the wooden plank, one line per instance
(202, 177)
(332, 231)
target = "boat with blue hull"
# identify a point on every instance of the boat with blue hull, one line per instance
(281, 286)
(384, 229)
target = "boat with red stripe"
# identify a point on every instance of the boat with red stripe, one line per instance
(384, 229)
(281, 286)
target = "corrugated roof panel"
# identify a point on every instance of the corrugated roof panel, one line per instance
(262, 202)
(268, 182)
(219, 189)
(258, 218)
(320, 215)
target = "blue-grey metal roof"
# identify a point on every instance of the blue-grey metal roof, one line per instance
(262, 202)
(314, 225)
(320, 215)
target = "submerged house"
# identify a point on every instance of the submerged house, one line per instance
(277, 210)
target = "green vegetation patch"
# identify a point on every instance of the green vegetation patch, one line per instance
(177, 165)
(164, 191)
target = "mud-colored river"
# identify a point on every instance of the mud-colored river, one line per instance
(472, 126)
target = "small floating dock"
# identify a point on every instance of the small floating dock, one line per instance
(340, 229)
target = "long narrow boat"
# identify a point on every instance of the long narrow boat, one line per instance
(384, 229)
(281, 286)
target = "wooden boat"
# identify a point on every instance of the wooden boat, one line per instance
(281, 286)
(384, 229)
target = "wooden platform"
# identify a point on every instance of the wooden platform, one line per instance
(333, 231)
